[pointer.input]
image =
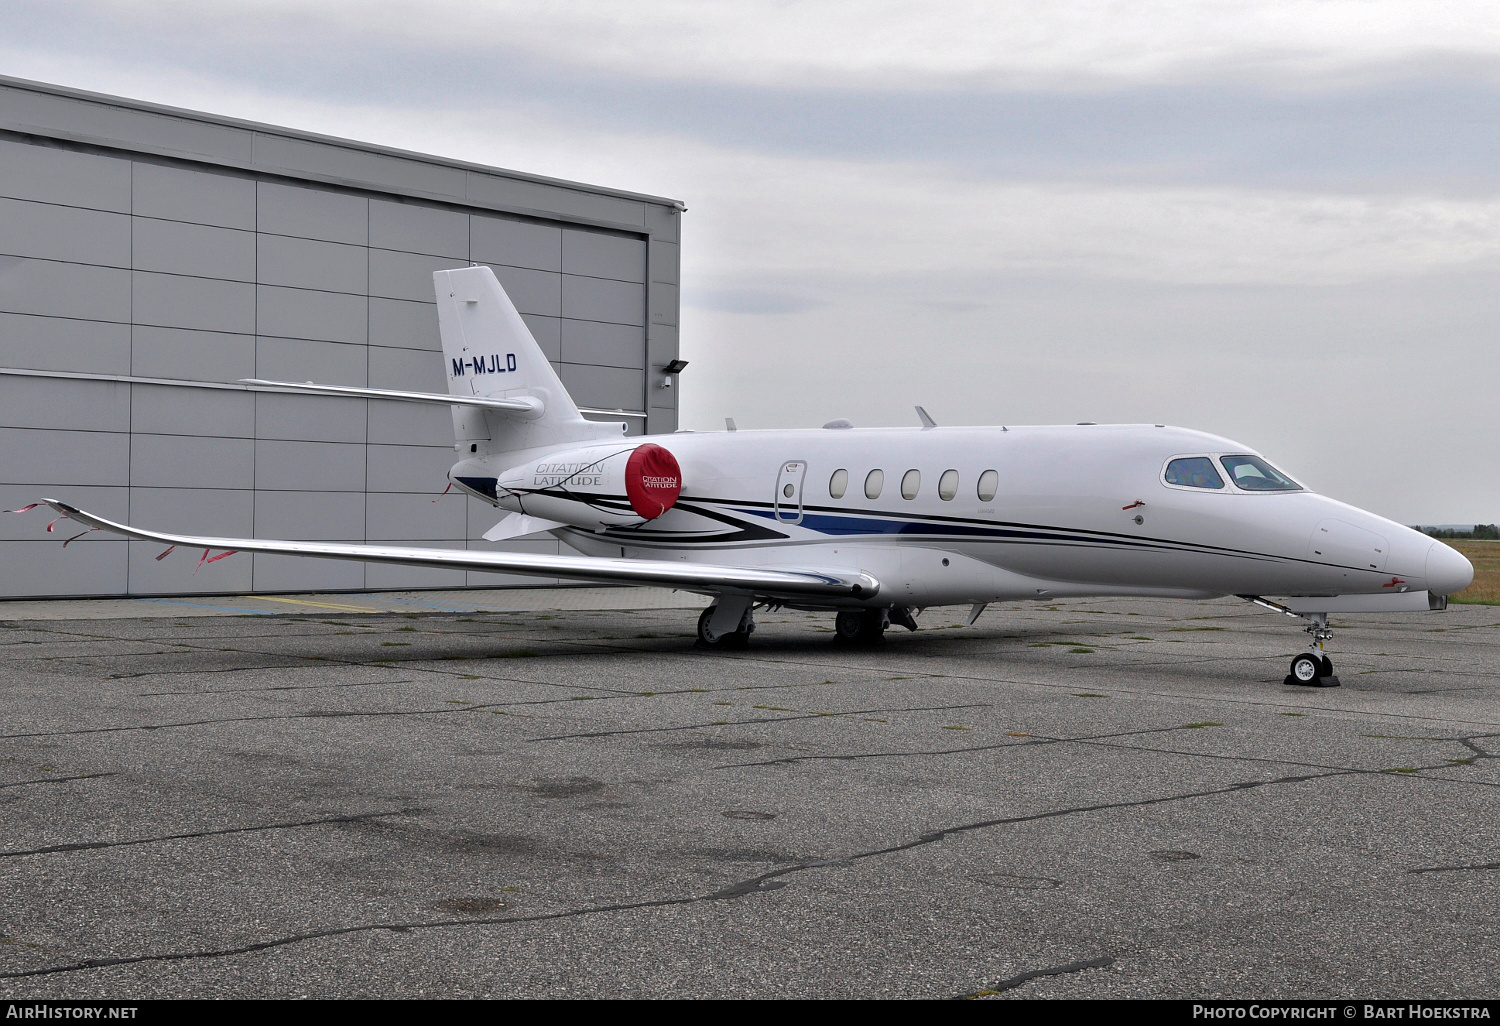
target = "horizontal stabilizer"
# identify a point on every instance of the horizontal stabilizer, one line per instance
(703, 578)
(527, 406)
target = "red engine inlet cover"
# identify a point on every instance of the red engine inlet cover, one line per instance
(653, 481)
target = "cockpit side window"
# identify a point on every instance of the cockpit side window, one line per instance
(1193, 472)
(1256, 475)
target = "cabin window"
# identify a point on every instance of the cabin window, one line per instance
(910, 482)
(948, 485)
(989, 484)
(1256, 475)
(874, 481)
(1194, 472)
(838, 484)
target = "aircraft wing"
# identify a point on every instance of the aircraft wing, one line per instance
(703, 578)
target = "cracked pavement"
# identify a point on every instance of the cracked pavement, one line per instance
(1093, 798)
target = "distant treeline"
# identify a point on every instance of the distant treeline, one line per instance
(1481, 532)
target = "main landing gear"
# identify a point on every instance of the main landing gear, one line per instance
(1313, 668)
(867, 626)
(727, 624)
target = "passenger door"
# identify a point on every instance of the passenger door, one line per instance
(788, 501)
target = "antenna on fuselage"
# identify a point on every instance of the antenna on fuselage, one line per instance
(729, 424)
(927, 422)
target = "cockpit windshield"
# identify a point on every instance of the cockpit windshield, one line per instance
(1194, 472)
(1256, 475)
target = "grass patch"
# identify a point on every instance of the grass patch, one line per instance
(1291, 714)
(772, 708)
(1485, 555)
(395, 644)
(1088, 694)
(1081, 650)
(1195, 628)
(1400, 769)
(1205, 723)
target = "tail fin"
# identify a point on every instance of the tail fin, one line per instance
(489, 351)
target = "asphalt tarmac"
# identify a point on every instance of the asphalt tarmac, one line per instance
(1088, 799)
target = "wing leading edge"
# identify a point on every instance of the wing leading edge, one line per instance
(698, 577)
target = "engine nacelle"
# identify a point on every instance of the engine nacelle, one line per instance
(596, 486)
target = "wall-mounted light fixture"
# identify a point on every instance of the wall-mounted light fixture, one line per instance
(670, 371)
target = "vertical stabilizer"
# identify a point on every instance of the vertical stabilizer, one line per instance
(489, 351)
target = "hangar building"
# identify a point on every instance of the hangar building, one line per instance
(151, 257)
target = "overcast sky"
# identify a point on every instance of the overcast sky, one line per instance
(1279, 222)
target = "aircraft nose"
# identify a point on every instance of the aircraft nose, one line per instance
(1447, 570)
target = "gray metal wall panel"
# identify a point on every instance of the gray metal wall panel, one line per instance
(379, 169)
(407, 275)
(294, 573)
(533, 292)
(548, 334)
(609, 345)
(64, 405)
(665, 261)
(409, 468)
(410, 424)
(303, 313)
(536, 196)
(176, 247)
(52, 175)
(515, 243)
(177, 573)
(89, 118)
(607, 388)
(404, 325)
(310, 516)
(184, 461)
(202, 197)
(164, 410)
(60, 343)
(64, 290)
(404, 517)
(414, 370)
(52, 232)
(42, 457)
(663, 223)
(296, 359)
(225, 512)
(309, 418)
(599, 255)
(39, 568)
(309, 466)
(312, 213)
(311, 264)
(414, 228)
(541, 545)
(664, 302)
(110, 503)
(595, 299)
(177, 301)
(189, 355)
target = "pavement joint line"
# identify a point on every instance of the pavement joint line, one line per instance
(1016, 981)
(95, 845)
(57, 780)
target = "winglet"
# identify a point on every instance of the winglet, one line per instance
(927, 422)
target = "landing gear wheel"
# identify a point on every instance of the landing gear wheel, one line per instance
(860, 627)
(1306, 668)
(733, 640)
(1311, 670)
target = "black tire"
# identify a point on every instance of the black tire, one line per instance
(1306, 669)
(733, 640)
(859, 627)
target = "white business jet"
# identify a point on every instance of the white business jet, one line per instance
(877, 524)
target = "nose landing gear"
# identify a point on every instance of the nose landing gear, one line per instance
(1313, 668)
